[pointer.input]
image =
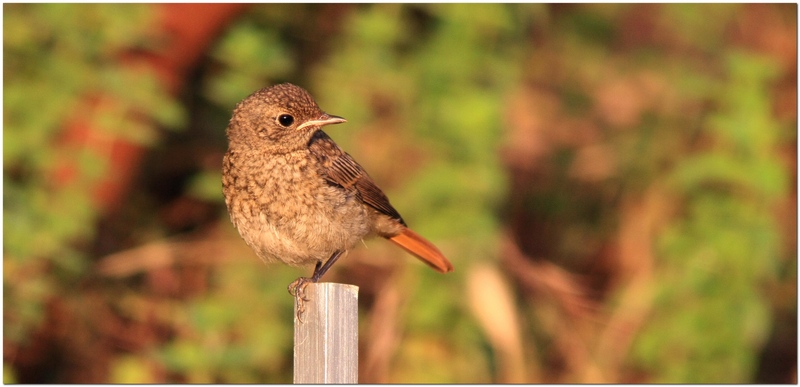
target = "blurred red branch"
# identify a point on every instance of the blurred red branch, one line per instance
(189, 29)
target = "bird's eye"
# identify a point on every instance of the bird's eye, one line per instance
(285, 120)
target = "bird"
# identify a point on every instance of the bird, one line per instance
(295, 196)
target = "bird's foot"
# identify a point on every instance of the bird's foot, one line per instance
(297, 289)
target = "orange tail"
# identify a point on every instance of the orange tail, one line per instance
(422, 249)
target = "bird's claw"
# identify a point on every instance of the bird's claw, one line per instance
(297, 290)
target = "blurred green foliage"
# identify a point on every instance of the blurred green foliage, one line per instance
(239, 333)
(726, 246)
(612, 102)
(711, 312)
(58, 56)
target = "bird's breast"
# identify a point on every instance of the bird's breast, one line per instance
(284, 208)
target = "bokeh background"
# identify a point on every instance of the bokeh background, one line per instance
(615, 184)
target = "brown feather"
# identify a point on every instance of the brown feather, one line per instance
(341, 169)
(422, 249)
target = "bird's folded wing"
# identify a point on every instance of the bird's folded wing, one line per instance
(339, 168)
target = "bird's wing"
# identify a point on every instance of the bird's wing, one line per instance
(340, 169)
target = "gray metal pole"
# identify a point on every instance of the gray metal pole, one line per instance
(326, 341)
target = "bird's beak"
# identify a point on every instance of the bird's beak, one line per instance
(325, 119)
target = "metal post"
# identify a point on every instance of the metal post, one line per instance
(326, 341)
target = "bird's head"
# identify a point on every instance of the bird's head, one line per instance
(280, 116)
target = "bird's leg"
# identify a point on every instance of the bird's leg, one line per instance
(319, 271)
(297, 287)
